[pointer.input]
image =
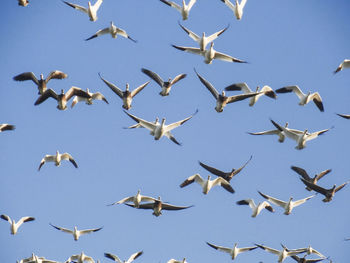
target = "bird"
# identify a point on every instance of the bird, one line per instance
(222, 99)
(91, 10)
(232, 251)
(256, 208)
(305, 260)
(237, 9)
(75, 232)
(113, 30)
(14, 226)
(7, 127)
(328, 193)
(184, 9)
(41, 83)
(208, 184)
(116, 258)
(23, 2)
(309, 251)
(209, 54)
(177, 261)
(165, 85)
(289, 205)
(345, 116)
(266, 90)
(127, 95)
(57, 159)
(282, 254)
(306, 177)
(88, 101)
(136, 199)
(158, 130)
(304, 98)
(80, 258)
(36, 259)
(226, 175)
(344, 64)
(203, 41)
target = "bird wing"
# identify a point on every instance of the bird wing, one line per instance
(142, 206)
(146, 124)
(301, 172)
(249, 202)
(345, 116)
(67, 156)
(212, 37)
(87, 231)
(316, 98)
(314, 187)
(113, 87)
(126, 199)
(267, 206)
(268, 249)
(273, 200)
(223, 183)
(6, 218)
(268, 92)
(239, 86)
(294, 89)
(191, 179)
(113, 257)
(270, 132)
(190, 4)
(153, 76)
(321, 174)
(97, 4)
(178, 78)
(99, 96)
(229, 4)
(7, 127)
(75, 91)
(340, 186)
(192, 50)
(25, 219)
(224, 57)
(99, 33)
(47, 94)
(243, 249)
(27, 76)
(240, 97)
(56, 74)
(123, 33)
(287, 132)
(138, 89)
(172, 4)
(223, 249)
(213, 170)
(241, 168)
(134, 256)
(174, 125)
(192, 35)
(301, 201)
(62, 229)
(243, 2)
(314, 135)
(208, 85)
(78, 7)
(172, 138)
(166, 206)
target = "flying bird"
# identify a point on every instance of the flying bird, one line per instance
(136, 199)
(345, 116)
(184, 9)
(23, 2)
(80, 258)
(256, 208)
(91, 10)
(36, 259)
(305, 260)
(113, 30)
(13, 225)
(282, 254)
(57, 158)
(309, 251)
(344, 64)
(116, 258)
(208, 184)
(7, 127)
(306, 177)
(75, 232)
(177, 261)
(88, 101)
(237, 8)
(232, 251)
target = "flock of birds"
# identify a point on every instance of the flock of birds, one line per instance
(159, 129)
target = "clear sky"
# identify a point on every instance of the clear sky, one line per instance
(285, 42)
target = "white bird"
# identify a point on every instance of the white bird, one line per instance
(256, 208)
(23, 2)
(113, 30)
(88, 101)
(14, 226)
(80, 258)
(91, 10)
(75, 232)
(184, 9)
(117, 259)
(136, 199)
(309, 251)
(57, 158)
(177, 261)
(232, 251)
(344, 64)
(35, 259)
(282, 254)
(237, 9)
(208, 184)
(304, 98)
(7, 127)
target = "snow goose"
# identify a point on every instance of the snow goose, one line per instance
(113, 30)
(256, 208)
(208, 184)
(309, 251)
(7, 127)
(344, 64)
(237, 9)
(304, 98)
(184, 9)
(41, 83)
(305, 260)
(306, 177)
(116, 258)
(136, 199)
(36, 259)
(282, 254)
(91, 10)
(23, 2)
(177, 261)
(80, 258)
(222, 99)
(203, 41)
(232, 251)
(88, 101)
(57, 158)
(165, 85)
(289, 205)
(14, 226)
(209, 54)
(345, 116)
(126, 95)
(158, 130)
(75, 232)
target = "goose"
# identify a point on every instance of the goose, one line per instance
(126, 95)
(23, 2)
(184, 9)
(136, 199)
(113, 30)
(282, 254)
(289, 205)
(203, 41)
(226, 175)
(237, 9)
(232, 251)
(222, 99)
(41, 83)
(88, 101)
(304, 98)
(62, 98)
(7, 127)
(91, 10)
(209, 54)
(57, 158)
(328, 193)
(36, 259)
(345, 116)
(208, 184)
(266, 90)
(14, 226)
(304, 260)
(309, 251)
(75, 232)
(116, 258)
(80, 258)
(177, 261)
(165, 85)
(158, 130)
(256, 208)
(344, 64)
(306, 177)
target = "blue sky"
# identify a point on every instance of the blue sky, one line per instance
(285, 42)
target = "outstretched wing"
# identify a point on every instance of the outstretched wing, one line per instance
(62, 229)
(56, 75)
(223, 249)
(239, 86)
(99, 33)
(47, 94)
(78, 7)
(67, 156)
(172, 126)
(26, 76)
(153, 76)
(134, 256)
(301, 172)
(273, 200)
(146, 124)
(208, 85)
(138, 89)
(113, 87)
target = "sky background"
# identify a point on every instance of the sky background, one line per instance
(285, 42)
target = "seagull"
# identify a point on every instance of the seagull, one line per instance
(57, 159)
(266, 90)
(256, 208)
(88, 101)
(304, 98)
(177, 261)
(113, 30)
(126, 95)
(344, 64)
(91, 11)
(14, 226)
(116, 258)
(226, 175)
(165, 85)
(345, 116)
(232, 251)
(288, 206)
(237, 9)
(158, 130)
(23, 2)
(328, 193)
(41, 83)
(75, 232)
(208, 184)
(184, 9)
(304, 260)
(7, 127)
(136, 199)
(209, 54)
(306, 177)
(309, 251)
(203, 41)
(80, 258)
(222, 99)
(282, 254)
